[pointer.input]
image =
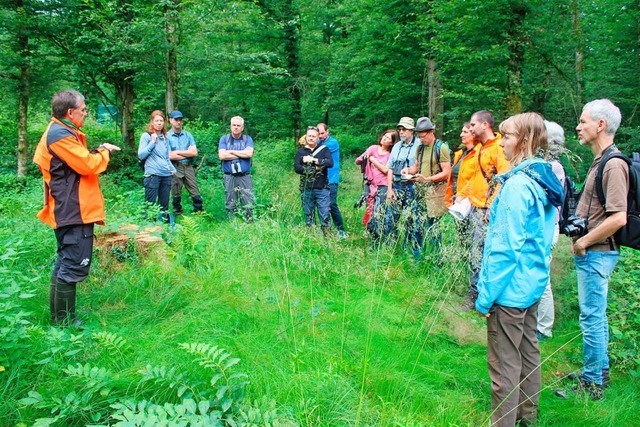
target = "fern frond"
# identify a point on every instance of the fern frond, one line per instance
(168, 377)
(112, 342)
(211, 356)
(87, 371)
(144, 413)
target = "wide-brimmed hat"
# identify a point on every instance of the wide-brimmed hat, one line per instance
(424, 124)
(407, 123)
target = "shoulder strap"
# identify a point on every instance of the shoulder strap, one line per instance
(486, 177)
(600, 174)
(419, 154)
(317, 150)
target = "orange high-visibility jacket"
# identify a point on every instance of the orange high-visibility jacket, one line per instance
(70, 171)
(490, 159)
(465, 172)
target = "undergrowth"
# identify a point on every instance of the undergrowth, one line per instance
(235, 324)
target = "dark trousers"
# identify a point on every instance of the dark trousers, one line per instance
(336, 215)
(157, 190)
(406, 202)
(513, 358)
(75, 247)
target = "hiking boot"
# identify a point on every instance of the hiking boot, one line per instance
(586, 387)
(605, 378)
(577, 376)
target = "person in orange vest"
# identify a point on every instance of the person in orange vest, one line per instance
(73, 201)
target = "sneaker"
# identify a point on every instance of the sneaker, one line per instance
(342, 234)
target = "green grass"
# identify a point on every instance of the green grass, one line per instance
(333, 333)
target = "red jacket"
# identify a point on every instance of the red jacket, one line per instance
(70, 171)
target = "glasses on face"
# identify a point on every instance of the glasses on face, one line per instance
(401, 128)
(313, 128)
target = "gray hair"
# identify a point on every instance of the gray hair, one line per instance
(63, 101)
(238, 118)
(603, 109)
(555, 137)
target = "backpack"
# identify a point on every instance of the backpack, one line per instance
(570, 198)
(439, 144)
(629, 235)
(437, 147)
(141, 162)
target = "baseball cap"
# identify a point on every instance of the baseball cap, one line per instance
(175, 114)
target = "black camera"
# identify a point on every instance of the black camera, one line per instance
(360, 202)
(574, 226)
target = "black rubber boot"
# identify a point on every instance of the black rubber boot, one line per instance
(52, 298)
(197, 203)
(177, 205)
(65, 305)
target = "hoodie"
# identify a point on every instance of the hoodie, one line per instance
(517, 252)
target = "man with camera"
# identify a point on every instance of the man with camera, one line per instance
(235, 151)
(595, 250)
(311, 163)
(401, 193)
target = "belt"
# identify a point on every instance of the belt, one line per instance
(237, 174)
(402, 183)
(603, 247)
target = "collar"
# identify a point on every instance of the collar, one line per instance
(69, 123)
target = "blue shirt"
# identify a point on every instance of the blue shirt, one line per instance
(403, 156)
(334, 148)
(181, 142)
(228, 142)
(156, 156)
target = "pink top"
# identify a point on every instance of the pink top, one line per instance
(373, 174)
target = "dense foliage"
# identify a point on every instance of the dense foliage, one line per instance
(357, 64)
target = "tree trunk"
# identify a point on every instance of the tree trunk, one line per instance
(172, 17)
(125, 95)
(436, 103)
(292, 53)
(24, 85)
(515, 64)
(579, 55)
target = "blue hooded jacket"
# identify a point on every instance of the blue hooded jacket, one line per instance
(517, 251)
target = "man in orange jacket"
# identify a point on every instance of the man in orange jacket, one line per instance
(73, 201)
(481, 191)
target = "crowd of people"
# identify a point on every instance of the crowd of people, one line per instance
(503, 187)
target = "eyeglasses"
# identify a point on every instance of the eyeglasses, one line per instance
(401, 128)
(313, 128)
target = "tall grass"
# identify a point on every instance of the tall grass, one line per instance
(328, 332)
